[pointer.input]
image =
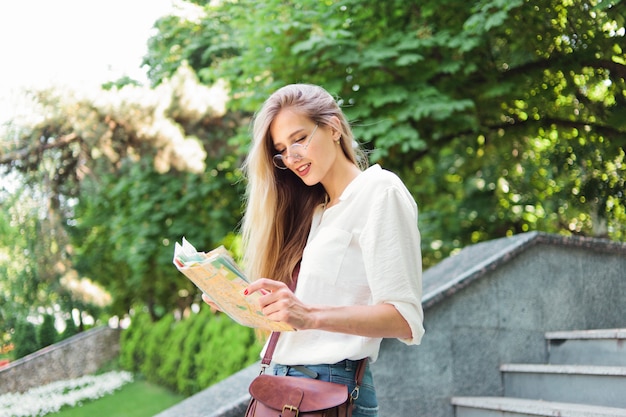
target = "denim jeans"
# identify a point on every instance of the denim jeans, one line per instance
(366, 405)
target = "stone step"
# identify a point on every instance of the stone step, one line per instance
(506, 406)
(590, 347)
(579, 384)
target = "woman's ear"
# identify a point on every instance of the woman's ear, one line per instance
(335, 126)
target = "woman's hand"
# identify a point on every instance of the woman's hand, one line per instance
(279, 303)
(210, 302)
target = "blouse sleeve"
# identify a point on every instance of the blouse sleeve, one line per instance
(390, 242)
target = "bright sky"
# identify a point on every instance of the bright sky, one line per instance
(74, 42)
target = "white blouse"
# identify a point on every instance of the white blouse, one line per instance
(364, 250)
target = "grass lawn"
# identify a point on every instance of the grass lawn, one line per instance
(136, 399)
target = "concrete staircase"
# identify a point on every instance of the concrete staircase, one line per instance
(585, 376)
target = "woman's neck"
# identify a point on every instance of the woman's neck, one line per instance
(341, 177)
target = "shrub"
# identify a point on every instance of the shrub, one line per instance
(46, 333)
(155, 346)
(70, 329)
(187, 373)
(190, 354)
(132, 346)
(171, 363)
(24, 339)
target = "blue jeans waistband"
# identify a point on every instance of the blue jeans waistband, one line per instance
(308, 370)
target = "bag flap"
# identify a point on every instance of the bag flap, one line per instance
(277, 391)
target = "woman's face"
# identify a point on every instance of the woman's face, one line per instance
(318, 152)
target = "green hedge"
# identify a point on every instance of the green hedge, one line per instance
(187, 355)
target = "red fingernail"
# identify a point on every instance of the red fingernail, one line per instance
(245, 292)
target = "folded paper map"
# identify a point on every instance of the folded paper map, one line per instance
(219, 277)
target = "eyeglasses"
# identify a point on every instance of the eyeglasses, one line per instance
(295, 151)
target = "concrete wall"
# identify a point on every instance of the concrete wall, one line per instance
(76, 356)
(490, 304)
(501, 317)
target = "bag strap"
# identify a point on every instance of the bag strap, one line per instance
(271, 346)
(269, 352)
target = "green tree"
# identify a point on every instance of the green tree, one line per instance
(502, 116)
(24, 339)
(119, 181)
(128, 229)
(70, 329)
(46, 332)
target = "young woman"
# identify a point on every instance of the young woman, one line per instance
(351, 233)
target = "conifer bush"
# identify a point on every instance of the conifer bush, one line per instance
(187, 355)
(132, 348)
(156, 341)
(24, 339)
(46, 332)
(169, 366)
(70, 329)
(195, 341)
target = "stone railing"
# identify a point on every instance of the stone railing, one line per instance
(76, 356)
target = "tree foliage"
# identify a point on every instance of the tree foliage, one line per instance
(114, 180)
(128, 228)
(503, 116)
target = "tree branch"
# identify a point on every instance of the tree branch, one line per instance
(604, 130)
(573, 59)
(544, 121)
(21, 154)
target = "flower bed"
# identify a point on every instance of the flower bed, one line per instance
(52, 397)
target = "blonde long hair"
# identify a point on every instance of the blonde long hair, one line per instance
(279, 206)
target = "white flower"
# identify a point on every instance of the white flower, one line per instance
(50, 398)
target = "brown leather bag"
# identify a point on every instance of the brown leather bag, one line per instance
(288, 396)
